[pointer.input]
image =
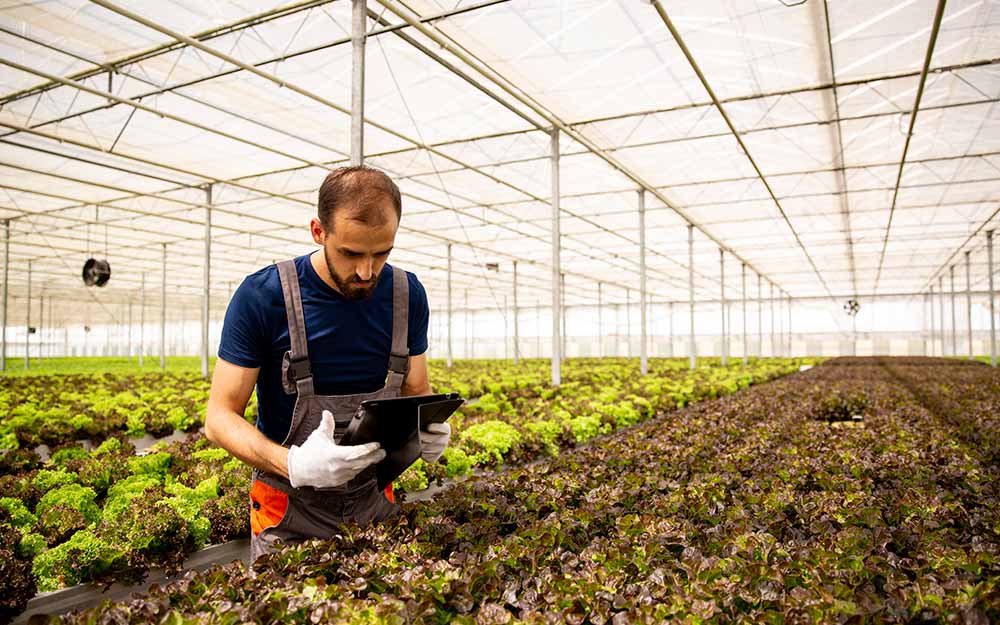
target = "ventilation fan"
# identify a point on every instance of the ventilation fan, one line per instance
(96, 272)
(851, 307)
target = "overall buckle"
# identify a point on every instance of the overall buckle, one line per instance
(399, 363)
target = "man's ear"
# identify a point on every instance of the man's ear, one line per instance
(318, 233)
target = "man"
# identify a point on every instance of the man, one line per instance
(318, 335)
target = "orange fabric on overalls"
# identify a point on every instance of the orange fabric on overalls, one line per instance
(267, 506)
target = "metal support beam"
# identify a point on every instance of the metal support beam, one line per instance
(760, 318)
(466, 353)
(993, 315)
(600, 321)
(739, 139)
(450, 308)
(691, 352)
(954, 318)
(142, 322)
(562, 307)
(27, 324)
(206, 281)
(359, 20)
(628, 322)
(517, 326)
(968, 301)
(556, 266)
(41, 326)
(789, 352)
(6, 282)
(933, 349)
(538, 329)
(743, 296)
(643, 348)
(944, 350)
(935, 27)
(722, 307)
(670, 315)
(774, 345)
(506, 329)
(163, 311)
(129, 330)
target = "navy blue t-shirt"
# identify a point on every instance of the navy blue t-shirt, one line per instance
(349, 341)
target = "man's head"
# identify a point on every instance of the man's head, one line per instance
(359, 211)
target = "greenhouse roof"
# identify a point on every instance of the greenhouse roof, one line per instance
(779, 132)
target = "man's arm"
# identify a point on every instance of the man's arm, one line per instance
(226, 427)
(416, 382)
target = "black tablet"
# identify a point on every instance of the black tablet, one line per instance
(394, 423)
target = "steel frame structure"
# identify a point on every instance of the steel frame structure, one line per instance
(458, 59)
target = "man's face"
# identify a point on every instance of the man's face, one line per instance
(355, 252)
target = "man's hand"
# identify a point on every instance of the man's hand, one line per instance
(322, 463)
(434, 441)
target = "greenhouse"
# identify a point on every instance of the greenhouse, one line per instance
(499, 311)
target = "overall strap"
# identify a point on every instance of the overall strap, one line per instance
(296, 373)
(399, 362)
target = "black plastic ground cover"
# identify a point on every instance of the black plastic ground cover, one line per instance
(87, 595)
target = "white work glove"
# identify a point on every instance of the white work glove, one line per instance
(434, 441)
(322, 463)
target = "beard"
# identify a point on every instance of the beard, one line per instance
(349, 287)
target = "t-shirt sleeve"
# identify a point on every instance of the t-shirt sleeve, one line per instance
(419, 316)
(244, 335)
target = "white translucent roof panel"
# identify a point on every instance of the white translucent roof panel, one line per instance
(460, 116)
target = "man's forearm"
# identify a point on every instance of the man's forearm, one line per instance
(231, 432)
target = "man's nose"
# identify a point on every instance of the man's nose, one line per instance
(364, 270)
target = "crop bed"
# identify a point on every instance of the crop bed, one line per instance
(775, 504)
(98, 512)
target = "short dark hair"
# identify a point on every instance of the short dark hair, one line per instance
(357, 189)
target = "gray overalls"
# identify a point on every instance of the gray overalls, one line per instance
(281, 512)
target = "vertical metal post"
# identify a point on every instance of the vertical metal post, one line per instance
(941, 314)
(722, 307)
(506, 331)
(206, 280)
(27, 325)
(129, 330)
(517, 326)
(359, 19)
(691, 353)
(628, 322)
(465, 317)
(993, 316)
(600, 321)
(41, 326)
(643, 330)
(743, 296)
(538, 329)
(163, 311)
(933, 324)
(770, 290)
(449, 294)
(142, 321)
(670, 314)
(760, 318)
(954, 319)
(923, 324)
(6, 274)
(556, 242)
(968, 301)
(789, 297)
(779, 326)
(565, 326)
